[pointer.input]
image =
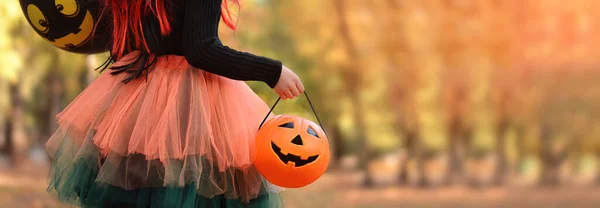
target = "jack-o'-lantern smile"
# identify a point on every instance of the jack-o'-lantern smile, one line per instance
(289, 157)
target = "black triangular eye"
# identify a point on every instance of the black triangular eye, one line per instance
(311, 131)
(289, 125)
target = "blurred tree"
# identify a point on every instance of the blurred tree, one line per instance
(17, 142)
(423, 20)
(455, 89)
(400, 78)
(352, 79)
(549, 157)
(10, 63)
(457, 131)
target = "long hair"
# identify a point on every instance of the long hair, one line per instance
(127, 18)
(127, 21)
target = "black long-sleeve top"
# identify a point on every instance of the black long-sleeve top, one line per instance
(194, 34)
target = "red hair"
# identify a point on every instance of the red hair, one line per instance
(127, 21)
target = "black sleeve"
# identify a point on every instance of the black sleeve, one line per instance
(204, 50)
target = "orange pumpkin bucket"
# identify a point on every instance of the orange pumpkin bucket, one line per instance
(292, 152)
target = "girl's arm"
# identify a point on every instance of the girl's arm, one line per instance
(204, 50)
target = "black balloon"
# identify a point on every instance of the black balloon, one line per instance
(72, 25)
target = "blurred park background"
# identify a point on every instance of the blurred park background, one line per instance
(427, 103)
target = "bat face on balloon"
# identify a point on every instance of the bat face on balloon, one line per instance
(67, 24)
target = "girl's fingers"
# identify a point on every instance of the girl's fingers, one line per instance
(288, 94)
(295, 91)
(292, 90)
(300, 87)
(279, 93)
(283, 95)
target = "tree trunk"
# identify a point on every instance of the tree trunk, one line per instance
(455, 171)
(521, 130)
(597, 172)
(337, 145)
(2, 132)
(8, 143)
(550, 164)
(43, 123)
(500, 171)
(17, 142)
(501, 128)
(470, 154)
(364, 154)
(409, 145)
(423, 157)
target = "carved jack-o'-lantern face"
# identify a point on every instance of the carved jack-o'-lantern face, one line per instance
(291, 151)
(68, 24)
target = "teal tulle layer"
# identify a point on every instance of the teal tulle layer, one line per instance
(79, 188)
(74, 178)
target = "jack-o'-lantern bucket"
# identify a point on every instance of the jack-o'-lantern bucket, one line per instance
(291, 151)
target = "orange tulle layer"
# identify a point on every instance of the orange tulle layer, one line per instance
(180, 125)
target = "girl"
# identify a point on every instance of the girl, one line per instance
(173, 124)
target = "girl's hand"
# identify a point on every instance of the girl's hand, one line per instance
(289, 85)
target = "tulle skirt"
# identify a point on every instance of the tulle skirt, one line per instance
(183, 137)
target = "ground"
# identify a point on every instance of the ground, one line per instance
(26, 188)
